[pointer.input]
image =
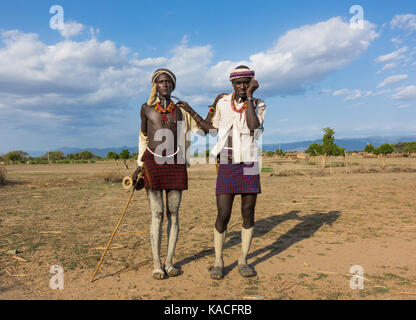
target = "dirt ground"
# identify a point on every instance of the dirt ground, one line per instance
(311, 227)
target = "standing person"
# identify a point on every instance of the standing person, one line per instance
(239, 119)
(164, 165)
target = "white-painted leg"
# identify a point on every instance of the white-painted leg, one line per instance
(173, 201)
(156, 206)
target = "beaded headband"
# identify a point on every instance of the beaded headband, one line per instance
(241, 73)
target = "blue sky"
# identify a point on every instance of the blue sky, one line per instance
(83, 86)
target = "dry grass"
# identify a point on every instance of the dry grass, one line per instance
(3, 174)
(310, 229)
(110, 176)
(388, 169)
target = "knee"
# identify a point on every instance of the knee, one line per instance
(220, 226)
(222, 221)
(248, 223)
(157, 215)
(248, 218)
(173, 217)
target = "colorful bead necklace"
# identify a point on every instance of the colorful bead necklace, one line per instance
(242, 109)
(164, 112)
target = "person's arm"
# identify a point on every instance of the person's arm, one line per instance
(251, 116)
(205, 125)
(212, 109)
(142, 141)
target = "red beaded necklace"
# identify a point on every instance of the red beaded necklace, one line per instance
(164, 112)
(242, 109)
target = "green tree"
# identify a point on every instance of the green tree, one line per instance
(315, 149)
(269, 153)
(125, 154)
(369, 148)
(16, 156)
(112, 155)
(279, 152)
(409, 148)
(382, 151)
(86, 155)
(54, 155)
(327, 148)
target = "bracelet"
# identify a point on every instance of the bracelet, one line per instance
(212, 109)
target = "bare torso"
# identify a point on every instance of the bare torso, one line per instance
(152, 121)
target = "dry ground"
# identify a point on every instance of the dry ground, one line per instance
(311, 227)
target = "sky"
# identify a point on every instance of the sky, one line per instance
(78, 79)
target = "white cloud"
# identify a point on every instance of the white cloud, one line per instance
(389, 66)
(309, 53)
(404, 22)
(392, 80)
(352, 94)
(405, 93)
(393, 55)
(340, 92)
(79, 84)
(92, 72)
(381, 92)
(396, 41)
(71, 29)
(356, 94)
(402, 106)
(326, 91)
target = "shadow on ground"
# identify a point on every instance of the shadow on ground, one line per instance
(306, 227)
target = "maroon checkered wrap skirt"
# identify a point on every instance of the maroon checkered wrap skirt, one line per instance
(238, 178)
(164, 176)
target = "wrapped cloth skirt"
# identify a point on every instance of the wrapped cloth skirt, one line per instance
(164, 176)
(238, 178)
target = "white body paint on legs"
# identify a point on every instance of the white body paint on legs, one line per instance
(173, 201)
(246, 237)
(156, 206)
(219, 241)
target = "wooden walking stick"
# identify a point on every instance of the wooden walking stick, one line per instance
(116, 228)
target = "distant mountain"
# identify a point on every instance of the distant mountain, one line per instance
(350, 144)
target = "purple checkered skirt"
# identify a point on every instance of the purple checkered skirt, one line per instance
(238, 178)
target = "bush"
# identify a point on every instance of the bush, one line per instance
(111, 176)
(369, 148)
(16, 156)
(112, 155)
(384, 149)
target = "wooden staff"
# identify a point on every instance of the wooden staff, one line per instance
(116, 228)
